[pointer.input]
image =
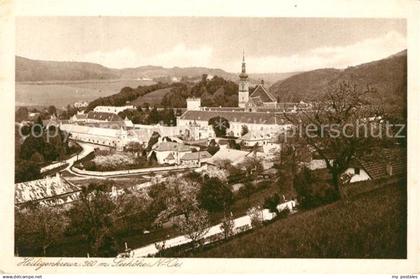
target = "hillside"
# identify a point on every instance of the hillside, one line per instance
(37, 70)
(372, 226)
(152, 98)
(388, 76)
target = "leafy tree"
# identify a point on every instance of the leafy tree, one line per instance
(213, 147)
(220, 125)
(256, 216)
(152, 141)
(195, 226)
(52, 110)
(38, 226)
(91, 215)
(154, 116)
(244, 130)
(26, 171)
(233, 145)
(312, 191)
(180, 198)
(247, 191)
(22, 113)
(181, 205)
(106, 246)
(214, 195)
(132, 212)
(272, 202)
(253, 166)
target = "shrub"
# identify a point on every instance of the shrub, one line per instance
(255, 214)
(271, 203)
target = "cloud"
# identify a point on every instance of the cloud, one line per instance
(329, 57)
(179, 55)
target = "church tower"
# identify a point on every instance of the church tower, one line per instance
(243, 94)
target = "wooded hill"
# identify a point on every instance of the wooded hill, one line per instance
(29, 70)
(388, 76)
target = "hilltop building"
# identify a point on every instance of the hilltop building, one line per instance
(112, 109)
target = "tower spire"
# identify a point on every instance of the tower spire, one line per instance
(243, 62)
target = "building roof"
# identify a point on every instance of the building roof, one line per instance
(264, 95)
(94, 131)
(234, 155)
(377, 167)
(103, 116)
(42, 189)
(236, 116)
(195, 155)
(171, 146)
(256, 101)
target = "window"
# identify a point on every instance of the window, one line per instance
(356, 170)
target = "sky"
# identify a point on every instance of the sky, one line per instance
(270, 44)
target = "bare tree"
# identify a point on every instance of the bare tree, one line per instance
(339, 127)
(227, 226)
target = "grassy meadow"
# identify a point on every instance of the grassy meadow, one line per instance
(152, 98)
(372, 226)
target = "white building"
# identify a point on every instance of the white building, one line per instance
(195, 159)
(107, 136)
(193, 103)
(113, 109)
(169, 152)
(80, 104)
(256, 122)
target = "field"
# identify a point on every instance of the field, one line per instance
(372, 226)
(61, 94)
(152, 98)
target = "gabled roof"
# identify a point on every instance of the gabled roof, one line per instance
(41, 189)
(170, 157)
(234, 155)
(103, 116)
(261, 92)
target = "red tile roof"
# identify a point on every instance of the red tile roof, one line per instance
(378, 167)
